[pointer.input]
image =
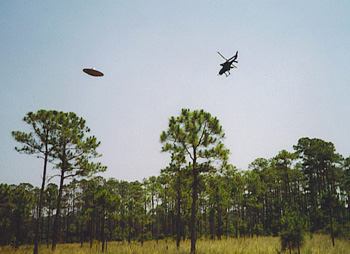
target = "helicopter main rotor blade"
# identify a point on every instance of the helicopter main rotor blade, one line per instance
(234, 66)
(222, 56)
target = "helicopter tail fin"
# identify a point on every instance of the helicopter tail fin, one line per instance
(235, 57)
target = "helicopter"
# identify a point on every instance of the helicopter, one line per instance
(226, 66)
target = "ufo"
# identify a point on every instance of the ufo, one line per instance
(93, 72)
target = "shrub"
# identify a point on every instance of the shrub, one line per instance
(292, 233)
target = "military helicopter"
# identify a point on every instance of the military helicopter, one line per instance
(226, 66)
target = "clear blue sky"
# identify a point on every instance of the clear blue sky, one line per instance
(292, 78)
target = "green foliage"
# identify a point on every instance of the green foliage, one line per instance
(292, 233)
(60, 138)
(39, 142)
(15, 208)
(197, 185)
(196, 137)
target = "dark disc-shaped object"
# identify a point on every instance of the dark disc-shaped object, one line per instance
(93, 72)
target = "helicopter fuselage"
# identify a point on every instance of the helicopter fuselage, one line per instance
(225, 67)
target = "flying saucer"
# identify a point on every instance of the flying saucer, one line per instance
(93, 72)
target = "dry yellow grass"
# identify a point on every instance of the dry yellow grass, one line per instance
(319, 244)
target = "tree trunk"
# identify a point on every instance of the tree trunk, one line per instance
(56, 225)
(18, 232)
(129, 229)
(142, 231)
(103, 231)
(226, 223)
(219, 229)
(236, 228)
(194, 209)
(332, 231)
(178, 208)
(48, 227)
(82, 233)
(37, 226)
(91, 231)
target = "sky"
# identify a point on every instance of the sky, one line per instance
(158, 57)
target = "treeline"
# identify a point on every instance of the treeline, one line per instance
(313, 181)
(199, 194)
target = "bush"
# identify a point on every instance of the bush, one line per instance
(292, 233)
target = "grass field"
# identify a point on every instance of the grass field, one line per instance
(319, 244)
